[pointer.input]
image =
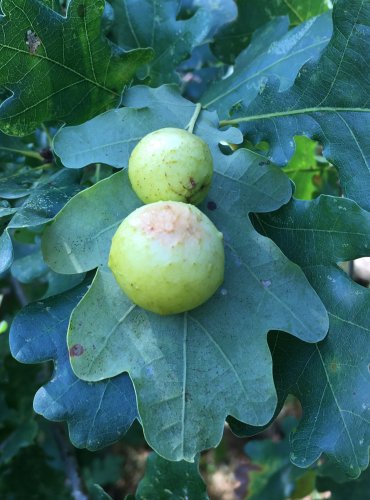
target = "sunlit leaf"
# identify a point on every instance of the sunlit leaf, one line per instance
(59, 68)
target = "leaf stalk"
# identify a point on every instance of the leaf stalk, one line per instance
(190, 126)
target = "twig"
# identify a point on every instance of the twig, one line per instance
(24, 152)
(18, 291)
(190, 126)
(70, 463)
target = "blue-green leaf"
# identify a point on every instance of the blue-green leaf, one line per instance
(165, 480)
(330, 378)
(154, 23)
(45, 200)
(252, 14)
(274, 51)
(77, 244)
(328, 102)
(97, 414)
(213, 361)
(121, 129)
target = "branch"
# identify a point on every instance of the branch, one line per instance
(190, 126)
(70, 462)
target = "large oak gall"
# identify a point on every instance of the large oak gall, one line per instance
(168, 257)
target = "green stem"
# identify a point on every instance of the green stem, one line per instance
(310, 169)
(25, 152)
(190, 126)
(44, 167)
(294, 11)
(47, 133)
(97, 172)
(291, 112)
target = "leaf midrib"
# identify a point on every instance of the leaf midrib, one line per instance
(357, 325)
(108, 336)
(108, 145)
(229, 363)
(292, 112)
(310, 230)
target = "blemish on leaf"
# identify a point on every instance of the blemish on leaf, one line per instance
(33, 42)
(211, 205)
(333, 367)
(76, 350)
(266, 283)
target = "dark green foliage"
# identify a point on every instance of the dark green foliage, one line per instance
(30, 476)
(59, 68)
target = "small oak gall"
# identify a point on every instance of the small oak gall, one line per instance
(171, 164)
